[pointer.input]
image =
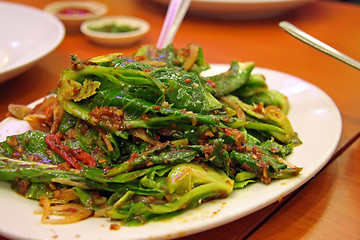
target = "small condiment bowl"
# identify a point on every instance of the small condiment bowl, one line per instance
(74, 13)
(114, 39)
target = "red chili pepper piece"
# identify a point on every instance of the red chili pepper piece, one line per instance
(84, 157)
(70, 155)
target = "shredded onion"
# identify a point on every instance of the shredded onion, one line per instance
(106, 139)
(239, 112)
(69, 182)
(194, 51)
(18, 111)
(101, 212)
(65, 194)
(57, 117)
(154, 63)
(38, 121)
(141, 133)
(70, 212)
(45, 202)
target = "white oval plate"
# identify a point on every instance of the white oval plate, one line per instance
(27, 35)
(242, 9)
(313, 115)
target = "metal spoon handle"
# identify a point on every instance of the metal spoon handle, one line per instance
(313, 42)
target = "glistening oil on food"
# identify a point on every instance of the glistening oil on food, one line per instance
(145, 137)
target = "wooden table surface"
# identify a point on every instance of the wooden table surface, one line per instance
(328, 206)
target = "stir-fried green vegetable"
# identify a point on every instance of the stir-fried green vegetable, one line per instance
(144, 137)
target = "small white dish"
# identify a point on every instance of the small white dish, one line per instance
(73, 13)
(114, 39)
(27, 35)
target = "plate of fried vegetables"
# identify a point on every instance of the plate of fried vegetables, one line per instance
(158, 145)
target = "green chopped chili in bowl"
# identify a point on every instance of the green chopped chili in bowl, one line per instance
(113, 28)
(115, 31)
